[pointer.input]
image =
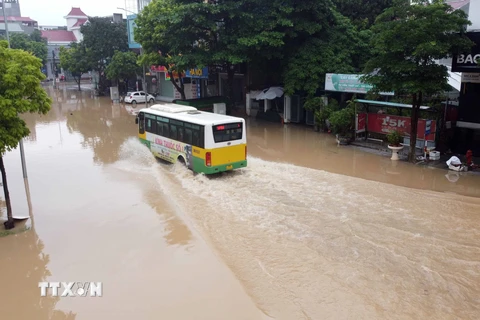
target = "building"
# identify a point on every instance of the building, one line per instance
(22, 24)
(198, 83)
(47, 28)
(16, 23)
(61, 36)
(465, 66)
(12, 8)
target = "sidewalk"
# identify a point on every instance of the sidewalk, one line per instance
(381, 149)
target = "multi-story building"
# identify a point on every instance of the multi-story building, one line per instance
(464, 71)
(16, 23)
(12, 8)
(62, 37)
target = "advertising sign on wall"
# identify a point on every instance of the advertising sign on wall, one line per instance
(131, 25)
(468, 61)
(384, 123)
(348, 83)
(361, 122)
(196, 73)
(471, 77)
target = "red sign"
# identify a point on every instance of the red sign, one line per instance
(361, 122)
(384, 123)
(164, 69)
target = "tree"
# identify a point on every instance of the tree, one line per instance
(102, 38)
(182, 34)
(407, 39)
(362, 13)
(29, 44)
(326, 42)
(20, 92)
(36, 36)
(123, 65)
(75, 60)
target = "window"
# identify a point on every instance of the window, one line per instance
(159, 128)
(142, 94)
(173, 132)
(188, 136)
(227, 132)
(136, 94)
(141, 123)
(150, 123)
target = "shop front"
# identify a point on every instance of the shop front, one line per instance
(467, 126)
(194, 81)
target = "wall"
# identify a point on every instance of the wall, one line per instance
(78, 35)
(12, 9)
(70, 23)
(474, 15)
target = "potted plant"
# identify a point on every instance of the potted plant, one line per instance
(394, 139)
(342, 123)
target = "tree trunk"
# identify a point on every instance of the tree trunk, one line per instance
(8, 224)
(230, 89)
(180, 89)
(78, 82)
(416, 103)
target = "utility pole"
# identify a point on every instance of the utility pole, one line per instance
(144, 82)
(54, 71)
(22, 152)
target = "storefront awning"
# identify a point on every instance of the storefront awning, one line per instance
(388, 104)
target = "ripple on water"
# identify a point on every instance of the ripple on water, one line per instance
(308, 243)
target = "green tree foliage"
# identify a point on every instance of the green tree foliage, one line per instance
(317, 40)
(20, 92)
(75, 59)
(182, 34)
(123, 65)
(102, 38)
(407, 39)
(34, 44)
(36, 36)
(362, 13)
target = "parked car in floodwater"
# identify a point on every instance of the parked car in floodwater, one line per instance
(138, 97)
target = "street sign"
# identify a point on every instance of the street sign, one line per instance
(428, 125)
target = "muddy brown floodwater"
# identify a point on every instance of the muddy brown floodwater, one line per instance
(308, 230)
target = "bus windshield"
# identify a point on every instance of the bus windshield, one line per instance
(227, 132)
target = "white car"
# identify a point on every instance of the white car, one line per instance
(138, 97)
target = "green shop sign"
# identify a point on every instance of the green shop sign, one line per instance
(348, 83)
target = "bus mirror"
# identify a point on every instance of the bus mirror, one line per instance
(136, 120)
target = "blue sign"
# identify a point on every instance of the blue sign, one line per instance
(428, 127)
(196, 73)
(131, 25)
(199, 90)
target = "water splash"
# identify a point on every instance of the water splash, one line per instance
(329, 242)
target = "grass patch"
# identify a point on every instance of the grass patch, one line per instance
(4, 233)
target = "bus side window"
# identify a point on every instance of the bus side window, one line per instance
(188, 136)
(196, 138)
(159, 128)
(141, 124)
(148, 125)
(173, 132)
(181, 135)
(166, 130)
(201, 138)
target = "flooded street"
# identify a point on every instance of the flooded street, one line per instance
(308, 230)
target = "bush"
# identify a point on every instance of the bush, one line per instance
(394, 138)
(343, 121)
(321, 111)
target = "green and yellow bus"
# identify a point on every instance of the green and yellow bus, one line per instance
(205, 142)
